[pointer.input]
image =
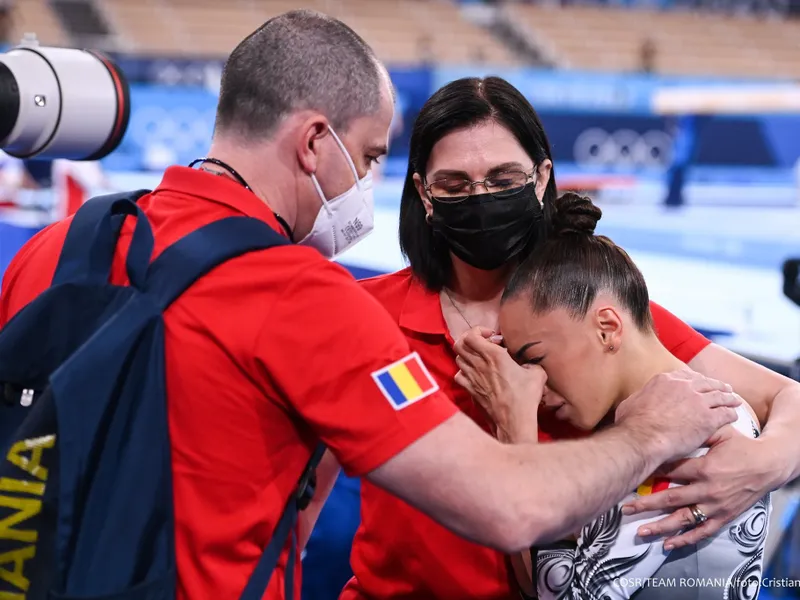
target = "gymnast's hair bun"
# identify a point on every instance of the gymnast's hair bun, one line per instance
(575, 215)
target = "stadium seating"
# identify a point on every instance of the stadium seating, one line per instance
(610, 39)
(36, 16)
(401, 31)
(413, 32)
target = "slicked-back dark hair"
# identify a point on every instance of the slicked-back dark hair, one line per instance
(298, 60)
(460, 104)
(574, 265)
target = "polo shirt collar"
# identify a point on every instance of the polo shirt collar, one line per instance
(219, 189)
(422, 310)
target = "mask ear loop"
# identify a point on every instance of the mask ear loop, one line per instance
(429, 196)
(347, 157)
(535, 177)
(541, 200)
(321, 194)
(350, 164)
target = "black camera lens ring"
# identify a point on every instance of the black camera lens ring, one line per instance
(9, 101)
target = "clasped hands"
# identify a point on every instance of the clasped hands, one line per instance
(730, 478)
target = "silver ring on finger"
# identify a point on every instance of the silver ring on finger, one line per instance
(699, 516)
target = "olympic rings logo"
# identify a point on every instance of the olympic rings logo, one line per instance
(204, 73)
(623, 148)
(182, 129)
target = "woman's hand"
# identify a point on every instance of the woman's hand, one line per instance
(508, 392)
(729, 479)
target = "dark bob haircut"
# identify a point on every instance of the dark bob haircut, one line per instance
(458, 105)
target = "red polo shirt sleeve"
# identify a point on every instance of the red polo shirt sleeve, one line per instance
(9, 278)
(683, 342)
(4, 294)
(37, 280)
(325, 345)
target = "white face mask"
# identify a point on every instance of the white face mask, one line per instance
(346, 219)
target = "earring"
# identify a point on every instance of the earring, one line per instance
(611, 348)
(428, 218)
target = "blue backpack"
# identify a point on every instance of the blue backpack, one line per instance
(86, 505)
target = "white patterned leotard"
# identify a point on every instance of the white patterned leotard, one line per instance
(610, 562)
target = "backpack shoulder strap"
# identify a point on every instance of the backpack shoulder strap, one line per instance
(259, 580)
(88, 250)
(191, 257)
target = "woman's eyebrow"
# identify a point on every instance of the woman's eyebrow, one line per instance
(447, 173)
(506, 166)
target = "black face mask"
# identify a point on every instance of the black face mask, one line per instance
(487, 232)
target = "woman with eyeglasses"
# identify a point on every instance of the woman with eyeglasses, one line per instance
(580, 300)
(477, 199)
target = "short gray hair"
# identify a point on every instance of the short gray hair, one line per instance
(299, 60)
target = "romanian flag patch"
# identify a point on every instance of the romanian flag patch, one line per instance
(405, 381)
(653, 485)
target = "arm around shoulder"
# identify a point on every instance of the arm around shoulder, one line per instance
(513, 496)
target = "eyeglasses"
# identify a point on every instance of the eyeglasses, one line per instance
(501, 185)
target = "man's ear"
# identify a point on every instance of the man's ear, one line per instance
(311, 132)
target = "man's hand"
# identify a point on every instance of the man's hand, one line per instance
(725, 482)
(508, 392)
(676, 413)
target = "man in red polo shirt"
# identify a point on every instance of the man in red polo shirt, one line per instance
(276, 350)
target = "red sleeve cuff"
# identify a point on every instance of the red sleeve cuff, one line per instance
(420, 419)
(691, 347)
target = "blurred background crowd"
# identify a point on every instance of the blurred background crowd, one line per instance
(680, 117)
